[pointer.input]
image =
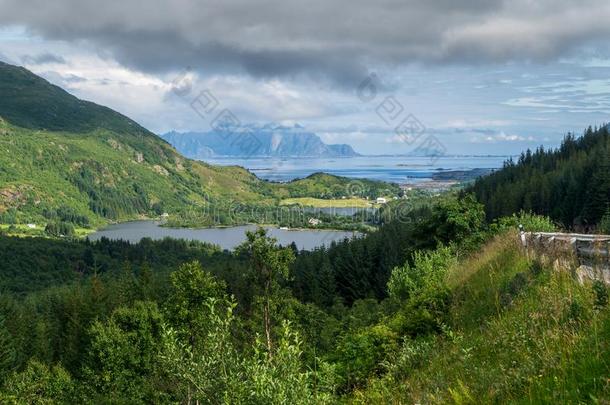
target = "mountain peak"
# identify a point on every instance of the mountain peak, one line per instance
(29, 101)
(268, 140)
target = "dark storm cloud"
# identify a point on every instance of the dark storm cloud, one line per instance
(318, 38)
(164, 50)
(42, 58)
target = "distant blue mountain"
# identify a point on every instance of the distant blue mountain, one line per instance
(269, 140)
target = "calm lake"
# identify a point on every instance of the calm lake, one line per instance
(226, 238)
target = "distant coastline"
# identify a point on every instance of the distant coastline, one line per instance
(410, 170)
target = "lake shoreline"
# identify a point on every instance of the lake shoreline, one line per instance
(227, 238)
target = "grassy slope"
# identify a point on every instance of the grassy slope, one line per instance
(57, 150)
(520, 333)
(39, 169)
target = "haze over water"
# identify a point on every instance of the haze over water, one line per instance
(397, 169)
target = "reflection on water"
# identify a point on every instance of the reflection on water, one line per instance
(226, 238)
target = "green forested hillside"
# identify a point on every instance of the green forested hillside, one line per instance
(58, 152)
(102, 175)
(322, 185)
(458, 314)
(29, 101)
(570, 184)
(436, 306)
(60, 155)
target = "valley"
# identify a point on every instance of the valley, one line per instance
(120, 171)
(419, 212)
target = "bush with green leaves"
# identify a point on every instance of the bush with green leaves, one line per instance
(530, 222)
(123, 353)
(39, 384)
(420, 290)
(457, 220)
(188, 308)
(213, 371)
(279, 377)
(220, 373)
(427, 272)
(360, 354)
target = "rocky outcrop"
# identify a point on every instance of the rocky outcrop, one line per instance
(255, 141)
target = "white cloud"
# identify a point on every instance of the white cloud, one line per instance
(344, 137)
(336, 39)
(474, 109)
(501, 137)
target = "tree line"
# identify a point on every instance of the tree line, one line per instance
(570, 184)
(176, 321)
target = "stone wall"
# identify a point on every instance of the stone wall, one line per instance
(587, 255)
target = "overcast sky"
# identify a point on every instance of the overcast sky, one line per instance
(483, 76)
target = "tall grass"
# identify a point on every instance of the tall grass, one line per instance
(519, 332)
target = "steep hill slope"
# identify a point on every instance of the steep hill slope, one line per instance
(59, 153)
(29, 101)
(65, 159)
(516, 331)
(102, 176)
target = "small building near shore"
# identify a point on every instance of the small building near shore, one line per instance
(314, 221)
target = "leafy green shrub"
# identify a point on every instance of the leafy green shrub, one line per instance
(187, 306)
(360, 355)
(411, 355)
(422, 289)
(425, 313)
(210, 372)
(531, 223)
(279, 378)
(428, 271)
(458, 220)
(123, 352)
(38, 384)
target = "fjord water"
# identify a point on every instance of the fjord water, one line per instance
(397, 169)
(226, 238)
